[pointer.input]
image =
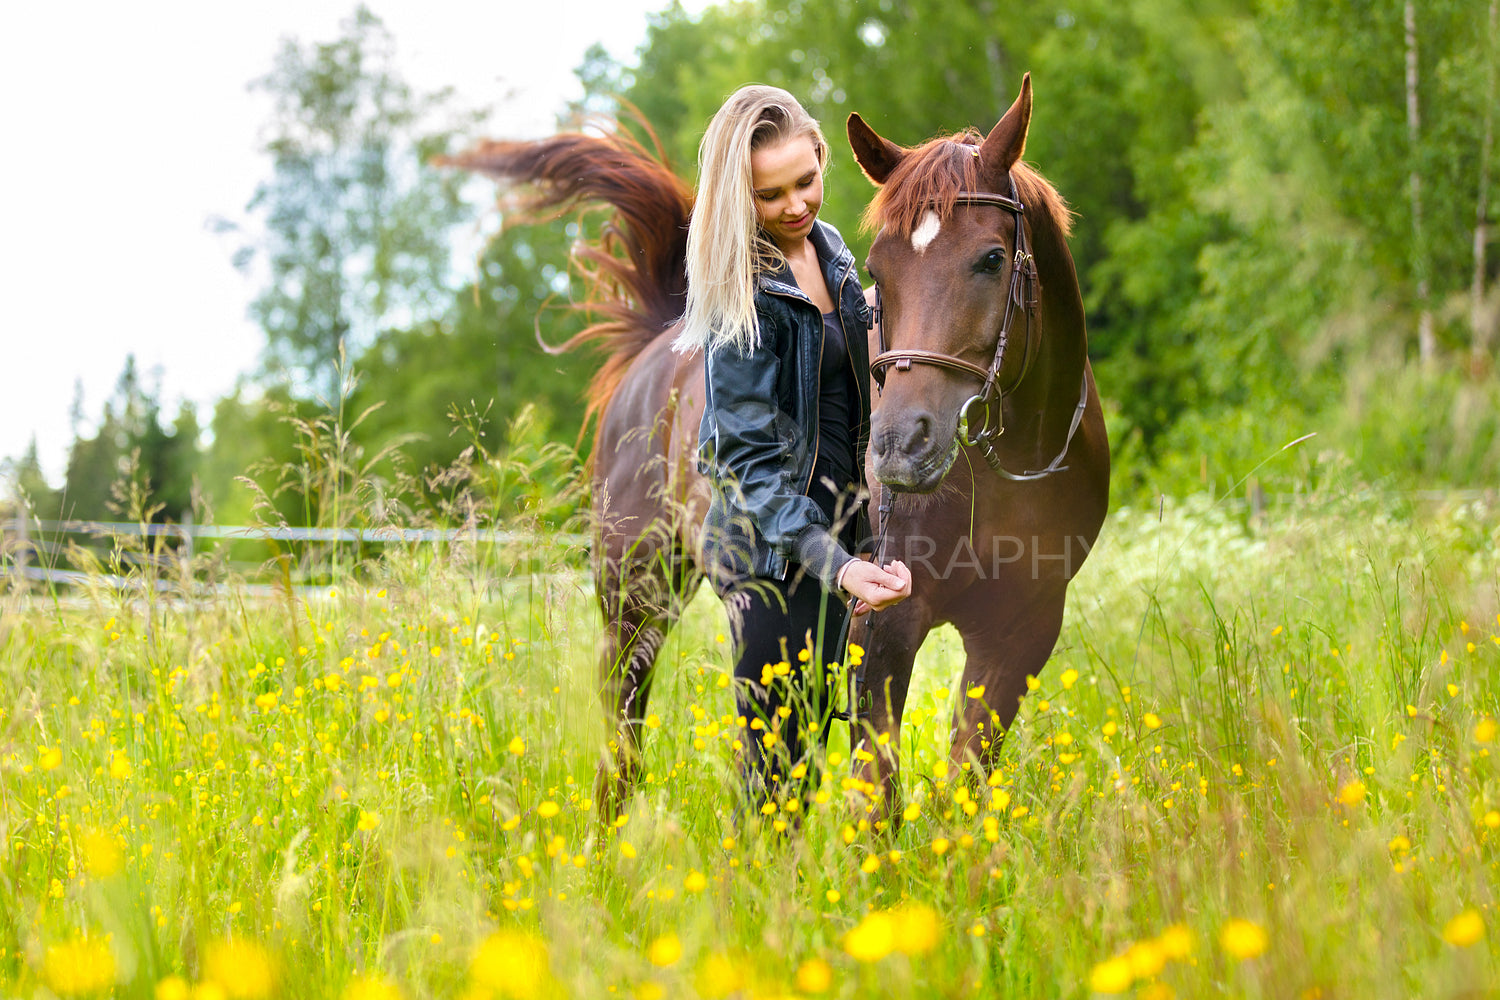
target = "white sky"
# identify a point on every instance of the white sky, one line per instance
(128, 125)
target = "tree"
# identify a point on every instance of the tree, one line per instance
(26, 488)
(131, 448)
(482, 358)
(356, 223)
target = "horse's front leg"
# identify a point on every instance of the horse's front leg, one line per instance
(890, 640)
(1002, 648)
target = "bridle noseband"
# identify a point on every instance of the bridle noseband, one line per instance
(985, 404)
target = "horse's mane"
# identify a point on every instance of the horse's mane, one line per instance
(635, 275)
(932, 175)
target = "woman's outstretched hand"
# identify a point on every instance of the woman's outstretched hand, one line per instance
(877, 588)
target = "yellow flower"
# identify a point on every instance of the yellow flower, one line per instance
(244, 969)
(814, 976)
(627, 849)
(1465, 929)
(173, 988)
(517, 746)
(917, 929)
(1486, 730)
(511, 964)
(119, 766)
(368, 820)
(695, 881)
(102, 856)
(50, 758)
(719, 976)
(1243, 939)
(1352, 794)
(872, 938)
(548, 809)
(1111, 976)
(78, 967)
(373, 987)
(856, 654)
(1146, 959)
(665, 951)
(1176, 942)
(1069, 678)
(1152, 720)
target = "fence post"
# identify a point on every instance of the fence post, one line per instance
(186, 531)
(22, 543)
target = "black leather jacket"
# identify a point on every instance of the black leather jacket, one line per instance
(758, 440)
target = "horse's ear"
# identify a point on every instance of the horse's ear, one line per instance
(877, 157)
(1007, 140)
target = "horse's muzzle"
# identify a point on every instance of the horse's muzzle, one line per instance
(910, 455)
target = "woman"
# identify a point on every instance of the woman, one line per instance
(774, 302)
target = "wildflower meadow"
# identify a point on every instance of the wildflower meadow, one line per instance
(1259, 764)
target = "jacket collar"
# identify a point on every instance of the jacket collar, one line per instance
(834, 256)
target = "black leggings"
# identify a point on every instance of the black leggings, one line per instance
(772, 622)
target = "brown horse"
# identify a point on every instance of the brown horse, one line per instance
(991, 555)
(987, 421)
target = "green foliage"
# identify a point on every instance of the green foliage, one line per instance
(484, 357)
(1240, 171)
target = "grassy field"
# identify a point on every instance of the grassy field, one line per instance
(1260, 764)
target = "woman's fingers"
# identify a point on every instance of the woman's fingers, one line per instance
(877, 587)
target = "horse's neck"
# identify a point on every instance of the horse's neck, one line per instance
(1039, 411)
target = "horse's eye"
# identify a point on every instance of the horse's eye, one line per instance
(992, 262)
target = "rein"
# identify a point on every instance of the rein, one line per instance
(985, 404)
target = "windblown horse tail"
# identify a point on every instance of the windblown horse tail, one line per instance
(641, 472)
(635, 274)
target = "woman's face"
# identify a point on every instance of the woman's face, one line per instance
(788, 185)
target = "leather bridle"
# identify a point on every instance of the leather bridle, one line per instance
(1021, 297)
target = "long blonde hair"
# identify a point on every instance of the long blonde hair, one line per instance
(725, 246)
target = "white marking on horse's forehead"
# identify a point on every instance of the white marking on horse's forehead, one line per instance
(926, 231)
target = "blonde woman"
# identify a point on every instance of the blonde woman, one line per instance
(775, 303)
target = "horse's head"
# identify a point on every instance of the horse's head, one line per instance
(957, 285)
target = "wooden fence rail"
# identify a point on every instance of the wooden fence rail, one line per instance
(23, 539)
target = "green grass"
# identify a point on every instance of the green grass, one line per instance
(386, 792)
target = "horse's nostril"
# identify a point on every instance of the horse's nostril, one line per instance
(923, 432)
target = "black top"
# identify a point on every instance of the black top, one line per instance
(835, 461)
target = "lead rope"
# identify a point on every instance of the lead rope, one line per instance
(856, 677)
